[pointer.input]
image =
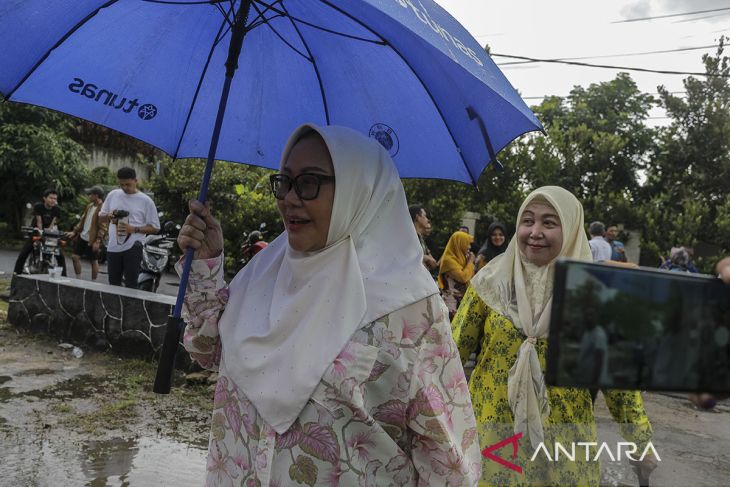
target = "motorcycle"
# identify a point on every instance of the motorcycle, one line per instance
(47, 247)
(252, 245)
(156, 252)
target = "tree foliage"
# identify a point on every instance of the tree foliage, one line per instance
(597, 142)
(37, 152)
(671, 182)
(444, 202)
(238, 195)
(686, 195)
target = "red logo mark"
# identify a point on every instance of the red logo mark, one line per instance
(487, 452)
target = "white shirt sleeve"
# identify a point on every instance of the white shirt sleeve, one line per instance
(106, 206)
(594, 250)
(151, 216)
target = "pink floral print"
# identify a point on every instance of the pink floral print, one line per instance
(392, 409)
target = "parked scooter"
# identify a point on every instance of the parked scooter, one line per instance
(252, 245)
(156, 256)
(47, 245)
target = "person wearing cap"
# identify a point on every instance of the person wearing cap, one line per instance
(89, 233)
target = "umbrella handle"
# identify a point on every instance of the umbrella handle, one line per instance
(173, 331)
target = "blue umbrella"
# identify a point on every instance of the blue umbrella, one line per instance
(403, 71)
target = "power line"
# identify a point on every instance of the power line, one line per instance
(606, 66)
(701, 18)
(630, 54)
(566, 96)
(640, 19)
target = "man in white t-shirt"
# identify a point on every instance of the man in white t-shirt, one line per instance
(132, 216)
(600, 249)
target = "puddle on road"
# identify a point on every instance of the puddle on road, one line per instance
(80, 386)
(131, 462)
(36, 372)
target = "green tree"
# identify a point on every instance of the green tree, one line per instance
(597, 142)
(444, 202)
(37, 152)
(104, 176)
(239, 197)
(687, 182)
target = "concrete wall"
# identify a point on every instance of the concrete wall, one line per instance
(469, 219)
(101, 157)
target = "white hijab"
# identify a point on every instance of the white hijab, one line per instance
(522, 292)
(290, 313)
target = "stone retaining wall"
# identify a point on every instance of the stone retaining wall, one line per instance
(128, 322)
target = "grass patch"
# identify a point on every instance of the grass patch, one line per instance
(128, 383)
(134, 375)
(4, 292)
(61, 408)
(116, 414)
(125, 407)
(198, 397)
(11, 243)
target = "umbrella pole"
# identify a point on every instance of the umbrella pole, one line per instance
(175, 324)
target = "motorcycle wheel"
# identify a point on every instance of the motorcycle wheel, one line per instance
(146, 286)
(35, 266)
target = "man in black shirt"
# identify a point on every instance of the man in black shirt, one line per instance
(45, 215)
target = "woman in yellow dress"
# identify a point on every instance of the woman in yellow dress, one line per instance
(506, 311)
(456, 270)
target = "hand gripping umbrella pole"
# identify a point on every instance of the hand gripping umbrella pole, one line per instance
(175, 324)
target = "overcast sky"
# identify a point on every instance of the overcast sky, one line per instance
(582, 28)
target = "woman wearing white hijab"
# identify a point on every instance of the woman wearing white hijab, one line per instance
(507, 311)
(335, 357)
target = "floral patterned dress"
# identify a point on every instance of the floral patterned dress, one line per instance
(392, 409)
(571, 417)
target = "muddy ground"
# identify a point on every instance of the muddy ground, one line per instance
(94, 421)
(67, 421)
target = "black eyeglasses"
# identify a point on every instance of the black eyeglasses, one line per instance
(305, 185)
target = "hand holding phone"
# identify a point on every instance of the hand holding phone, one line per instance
(621, 328)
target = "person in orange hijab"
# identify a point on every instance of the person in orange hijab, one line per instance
(457, 268)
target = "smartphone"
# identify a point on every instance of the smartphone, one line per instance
(647, 329)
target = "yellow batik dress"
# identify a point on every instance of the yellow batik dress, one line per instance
(571, 417)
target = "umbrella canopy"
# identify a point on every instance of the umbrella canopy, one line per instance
(402, 71)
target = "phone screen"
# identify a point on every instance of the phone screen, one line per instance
(619, 328)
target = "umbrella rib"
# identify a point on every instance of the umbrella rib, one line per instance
(197, 88)
(319, 27)
(172, 2)
(314, 65)
(58, 43)
(398, 53)
(222, 34)
(216, 3)
(256, 22)
(225, 15)
(262, 22)
(266, 21)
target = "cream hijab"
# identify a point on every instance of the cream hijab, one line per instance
(522, 292)
(290, 313)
